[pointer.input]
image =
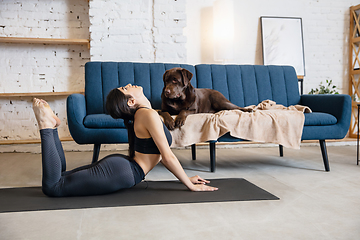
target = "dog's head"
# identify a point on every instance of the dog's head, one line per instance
(176, 80)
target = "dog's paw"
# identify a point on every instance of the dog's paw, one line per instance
(247, 110)
(170, 124)
(179, 122)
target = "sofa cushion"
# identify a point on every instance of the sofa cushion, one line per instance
(106, 121)
(102, 121)
(319, 119)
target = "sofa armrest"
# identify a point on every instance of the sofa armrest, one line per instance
(338, 105)
(76, 112)
(76, 108)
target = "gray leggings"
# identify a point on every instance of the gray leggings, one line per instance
(110, 174)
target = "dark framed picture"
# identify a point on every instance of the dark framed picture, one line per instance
(282, 42)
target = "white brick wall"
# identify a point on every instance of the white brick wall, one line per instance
(126, 30)
(147, 31)
(325, 28)
(123, 33)
(38, 67)
(138, 30)
(326, 34)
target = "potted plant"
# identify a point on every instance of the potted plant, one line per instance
(328, 88)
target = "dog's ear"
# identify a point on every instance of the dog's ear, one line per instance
(187, 75)
(165, 74)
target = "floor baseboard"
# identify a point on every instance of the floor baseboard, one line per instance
(71, 146)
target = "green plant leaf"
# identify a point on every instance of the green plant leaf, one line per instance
(328, 88)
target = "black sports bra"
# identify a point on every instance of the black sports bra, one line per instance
(147, 145)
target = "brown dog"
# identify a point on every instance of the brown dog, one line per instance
(180, 98)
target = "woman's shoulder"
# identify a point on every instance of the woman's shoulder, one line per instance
(146, 114)
(148, 118)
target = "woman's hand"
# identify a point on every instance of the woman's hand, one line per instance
(202, 188)
(198, 180)
(199, 184)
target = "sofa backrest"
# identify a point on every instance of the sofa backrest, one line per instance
(101, 77)
(246, 85)
(243, 85)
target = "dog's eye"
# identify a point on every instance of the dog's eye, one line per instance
(174, 80)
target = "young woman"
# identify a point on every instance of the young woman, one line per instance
(149, 142)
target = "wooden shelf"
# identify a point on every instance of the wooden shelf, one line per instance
(39, 94)
(31, 141)
(45, 40)
(354, 104)
(356, 40)
(354, 72)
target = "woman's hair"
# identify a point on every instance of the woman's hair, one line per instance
(117, 107)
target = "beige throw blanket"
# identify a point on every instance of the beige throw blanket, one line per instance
(269, 122)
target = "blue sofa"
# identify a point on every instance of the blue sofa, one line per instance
(242, 84)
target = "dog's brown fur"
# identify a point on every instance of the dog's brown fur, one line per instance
(180, 98)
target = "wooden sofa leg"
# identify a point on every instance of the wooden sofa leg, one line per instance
(281, 150)
(324, 155)
(193, 152)
(212, 156)
(96, 152)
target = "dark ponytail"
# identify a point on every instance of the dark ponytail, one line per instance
(117, 107)
(131, 137)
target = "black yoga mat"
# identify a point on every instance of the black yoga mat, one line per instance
(145, 193)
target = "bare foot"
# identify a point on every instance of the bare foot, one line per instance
(44, 115)
(47, 107)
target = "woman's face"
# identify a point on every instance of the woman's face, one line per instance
(133, 90)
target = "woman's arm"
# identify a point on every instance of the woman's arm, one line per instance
(155, 127)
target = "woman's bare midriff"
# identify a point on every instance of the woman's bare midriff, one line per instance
(147, 161)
